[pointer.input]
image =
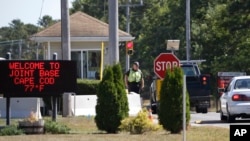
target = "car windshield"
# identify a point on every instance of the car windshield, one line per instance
(189, 70)
(242, 84)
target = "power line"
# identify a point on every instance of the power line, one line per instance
(41, 10)
(12, 42)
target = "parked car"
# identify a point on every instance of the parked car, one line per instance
(235, 101)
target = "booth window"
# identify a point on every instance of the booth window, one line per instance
(94, 59)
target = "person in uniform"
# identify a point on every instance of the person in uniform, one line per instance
(134, 81)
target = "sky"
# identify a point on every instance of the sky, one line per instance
(28, 11)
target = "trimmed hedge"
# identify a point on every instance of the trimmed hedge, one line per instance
(87, 86)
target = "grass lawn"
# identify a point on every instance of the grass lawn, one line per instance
(84, 129)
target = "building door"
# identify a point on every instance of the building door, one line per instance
(81, 60)
(76, 56)
(94, 63)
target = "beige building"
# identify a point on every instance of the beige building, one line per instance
(86, 35)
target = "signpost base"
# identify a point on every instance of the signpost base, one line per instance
(54, 112)
(7, 110)
(67, 105)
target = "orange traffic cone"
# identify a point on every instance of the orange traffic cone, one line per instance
(150, 115)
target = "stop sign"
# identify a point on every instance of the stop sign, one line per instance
(163, 62)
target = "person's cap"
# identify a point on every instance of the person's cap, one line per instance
(136, 63)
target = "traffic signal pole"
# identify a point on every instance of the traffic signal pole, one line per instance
(128, 31)
(128, 5)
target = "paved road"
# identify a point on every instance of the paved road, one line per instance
(212, 119)
(209, 119)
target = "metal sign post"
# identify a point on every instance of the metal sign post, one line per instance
(184, 108)
(54, 98)
(8, 108)
(188, 36)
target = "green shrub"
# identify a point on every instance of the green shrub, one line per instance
(170, 113)
(11, 130)
(112, 105)
(121, 92)
(139, 124)
(87, 86)
(56, 128)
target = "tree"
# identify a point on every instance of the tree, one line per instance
(112, 105)
(224, 36)
(170, 112)
(95, 8)
(18, 31)
(219, 30)
(46, 21)
(15, 39)
(122, 95)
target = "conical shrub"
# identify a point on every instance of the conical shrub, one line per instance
(120, 86)
(112, 104)
(170, 113)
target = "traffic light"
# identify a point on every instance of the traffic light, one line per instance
(129, 48)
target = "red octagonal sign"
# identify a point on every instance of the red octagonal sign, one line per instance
(163, 62)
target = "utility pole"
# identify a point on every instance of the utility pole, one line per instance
(65, 45)
(128, 5)
(113, 49)
(20, 49)
(65, 30)
(188, 38)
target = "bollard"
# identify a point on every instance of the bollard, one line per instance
(54, 56)
(8, 56)
(67, 108)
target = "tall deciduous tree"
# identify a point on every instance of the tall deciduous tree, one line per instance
(15, 39)
(46, 21)
(95, 8)
(219, 30)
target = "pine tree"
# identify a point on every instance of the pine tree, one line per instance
(170, 114)
(112, 103)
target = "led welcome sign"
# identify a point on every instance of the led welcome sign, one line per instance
(37, 78)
